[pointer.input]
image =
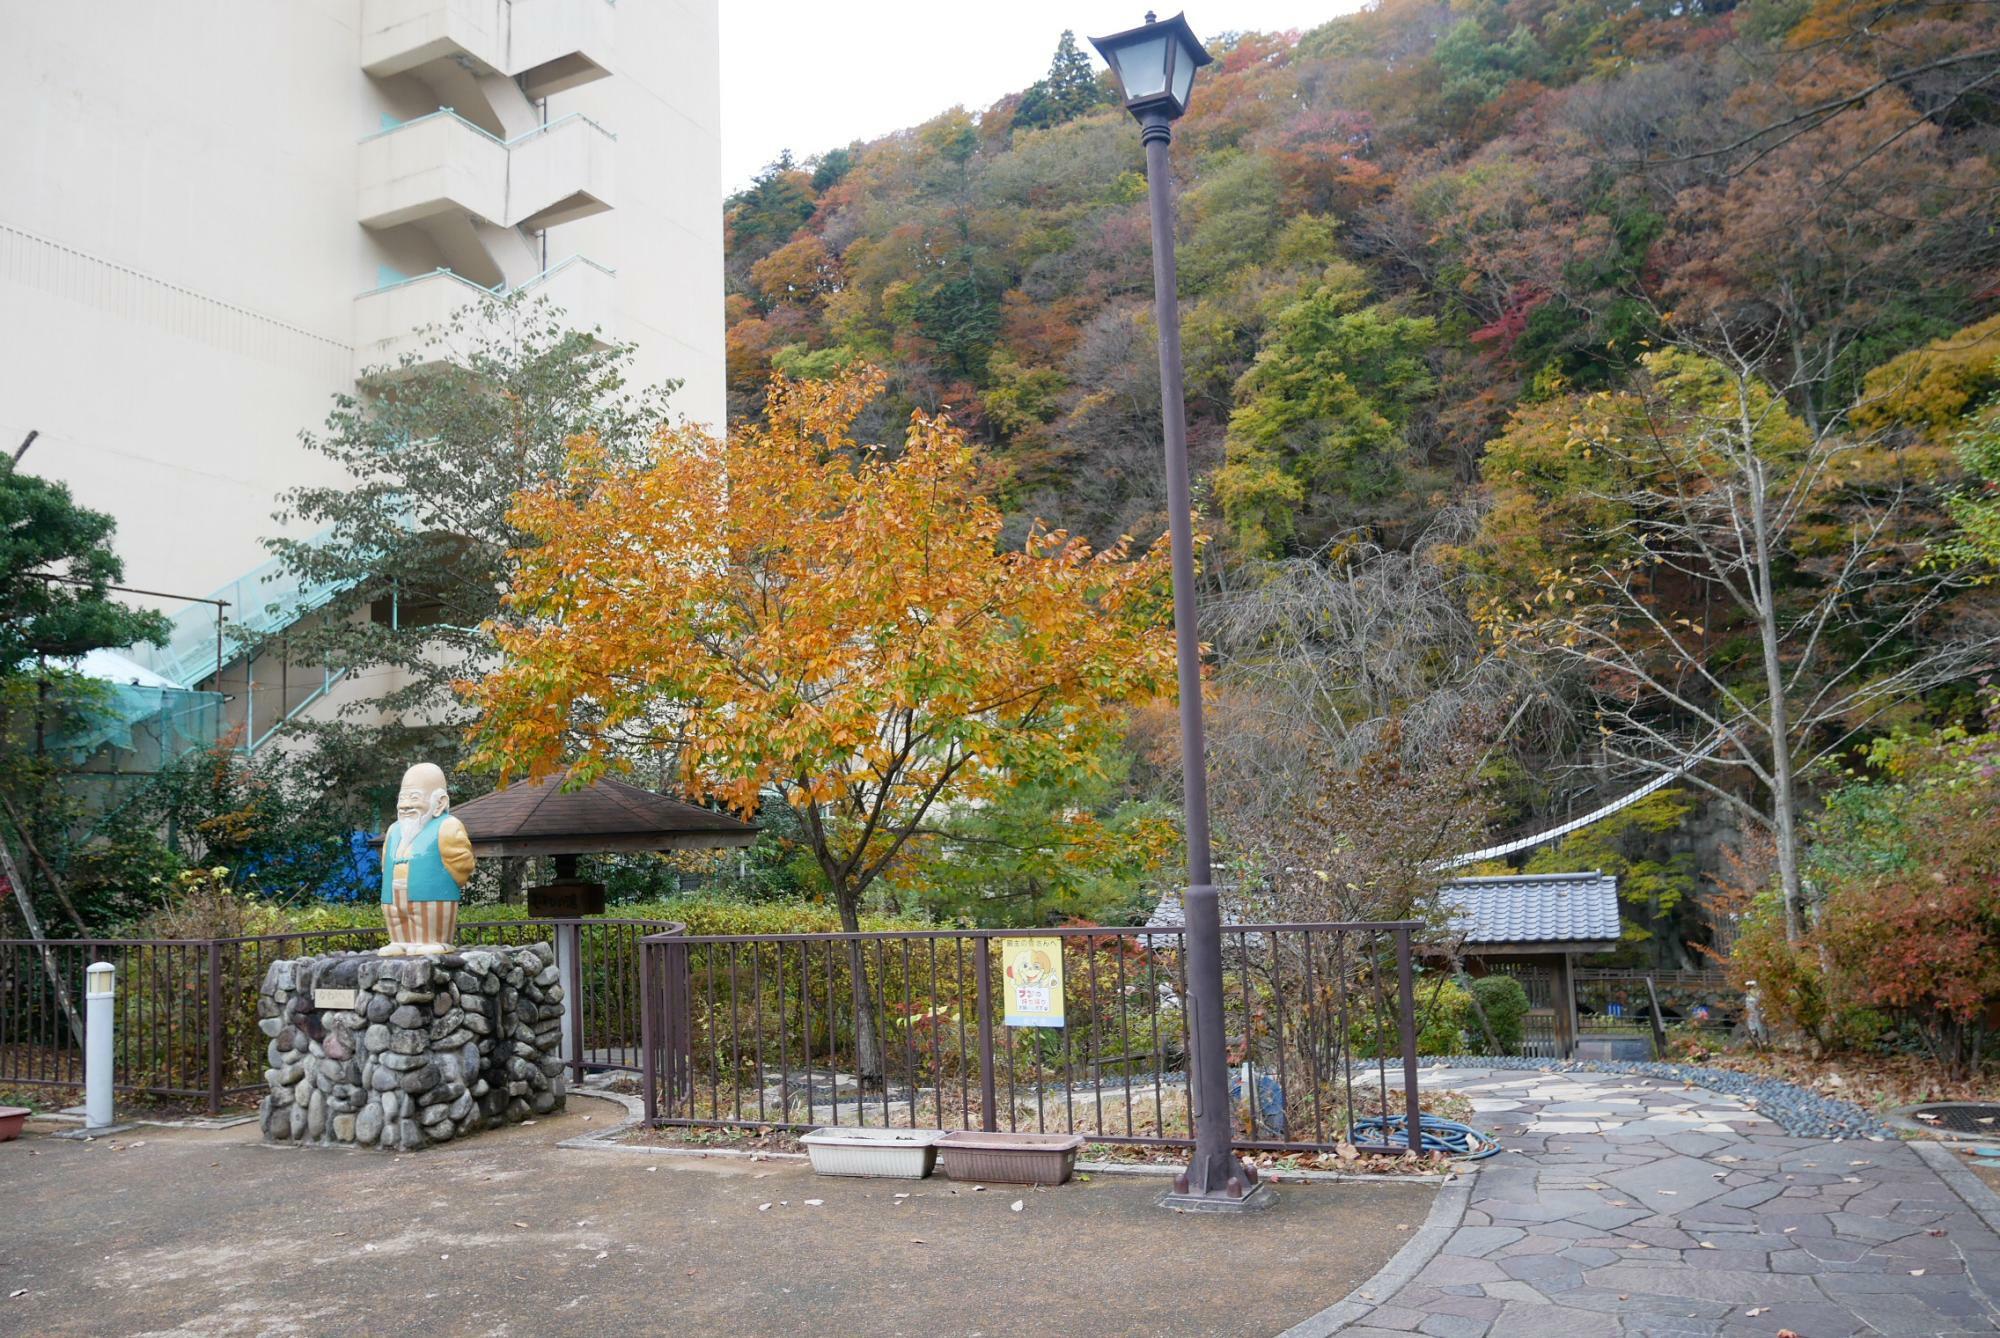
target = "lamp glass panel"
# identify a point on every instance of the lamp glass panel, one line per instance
(1142, 68)
(1183, 75)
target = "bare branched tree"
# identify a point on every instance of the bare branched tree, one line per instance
(1748, 594)
(1356, 702)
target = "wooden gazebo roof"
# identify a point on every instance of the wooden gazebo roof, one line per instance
(541, 818)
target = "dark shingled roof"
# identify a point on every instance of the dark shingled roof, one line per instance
(541, 818)
(1536, 908)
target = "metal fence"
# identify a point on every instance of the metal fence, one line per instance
(186, 1009)
(774, 1031)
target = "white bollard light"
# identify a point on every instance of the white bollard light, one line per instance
(100, 988)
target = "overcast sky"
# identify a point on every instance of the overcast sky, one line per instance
(804, 76)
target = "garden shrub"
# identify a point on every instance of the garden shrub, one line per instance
(1505, 1002)
(1441, 1002)
(1907, 931)
(1786, 976)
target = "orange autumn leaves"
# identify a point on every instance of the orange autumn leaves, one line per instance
(790, 610)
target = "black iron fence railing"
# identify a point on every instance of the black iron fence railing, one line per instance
(185, 1015)
(798, 1031)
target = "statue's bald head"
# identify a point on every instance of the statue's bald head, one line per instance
(422, 794)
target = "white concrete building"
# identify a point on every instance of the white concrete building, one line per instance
(212, 212)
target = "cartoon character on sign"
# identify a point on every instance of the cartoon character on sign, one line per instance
(1034, 982)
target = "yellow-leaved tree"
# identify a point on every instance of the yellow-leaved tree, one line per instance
(791, 613)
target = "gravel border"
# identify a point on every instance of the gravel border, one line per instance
(1798, 1112)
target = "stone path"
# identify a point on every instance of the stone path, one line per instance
(1627, 1205)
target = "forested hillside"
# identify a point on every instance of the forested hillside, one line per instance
(1396, 229)
(1574, 388)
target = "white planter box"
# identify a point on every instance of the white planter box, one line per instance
(893, 1154)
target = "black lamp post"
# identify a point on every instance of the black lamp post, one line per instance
(1155, 65)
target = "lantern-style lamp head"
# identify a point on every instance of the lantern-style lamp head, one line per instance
(99, 980)
(1154, 65)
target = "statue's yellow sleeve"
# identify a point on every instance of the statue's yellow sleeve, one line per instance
(455, 848)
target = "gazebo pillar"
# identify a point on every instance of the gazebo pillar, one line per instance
(1565, 1006)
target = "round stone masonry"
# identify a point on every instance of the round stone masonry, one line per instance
(404, 1053)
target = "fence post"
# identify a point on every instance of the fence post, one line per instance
(649, 1035)
(569, 968)
(215, 1027)
(1406, 989)
(989, 1099)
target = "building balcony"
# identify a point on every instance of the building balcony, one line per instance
(443, 163)
(390, 321)
(550, 45)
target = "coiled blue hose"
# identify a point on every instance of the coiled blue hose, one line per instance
(1435, 1133)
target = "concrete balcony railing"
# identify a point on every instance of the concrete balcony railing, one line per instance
(444, 163)
(550, 45)
(389, 322)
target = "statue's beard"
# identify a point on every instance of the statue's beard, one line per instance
(408, 827)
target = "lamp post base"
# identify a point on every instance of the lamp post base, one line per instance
(1231, 1186)
(1259, 1197)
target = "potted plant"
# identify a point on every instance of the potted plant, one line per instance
(11, 1120)
(894, 1154)
(1009, 1158)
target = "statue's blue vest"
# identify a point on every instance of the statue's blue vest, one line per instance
(429, 879)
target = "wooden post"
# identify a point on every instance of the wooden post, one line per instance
(1565, 1002)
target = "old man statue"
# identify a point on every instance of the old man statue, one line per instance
(426, 860)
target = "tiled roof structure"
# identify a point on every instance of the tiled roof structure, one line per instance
(1536, 908)
(1549, 908)
(540, 817)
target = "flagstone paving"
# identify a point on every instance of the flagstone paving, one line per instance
(1626, 1205)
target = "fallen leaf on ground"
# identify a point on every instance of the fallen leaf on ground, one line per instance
(1756, 1310)
(17, 1293)
(1015, 1205)
(522, 1225)
(763, 1207)
(1916, 1272)
(814, 1203)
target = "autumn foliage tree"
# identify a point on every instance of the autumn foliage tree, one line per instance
(792, 614)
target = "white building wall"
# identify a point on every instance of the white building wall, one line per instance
(180, 255)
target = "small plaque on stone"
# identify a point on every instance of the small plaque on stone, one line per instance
(326, 999)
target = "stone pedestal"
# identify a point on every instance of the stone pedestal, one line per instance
(403, 1053)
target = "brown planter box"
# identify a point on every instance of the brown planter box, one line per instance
(1008, 1159)
(11, 1120)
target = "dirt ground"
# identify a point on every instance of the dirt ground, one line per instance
(189, 1232)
